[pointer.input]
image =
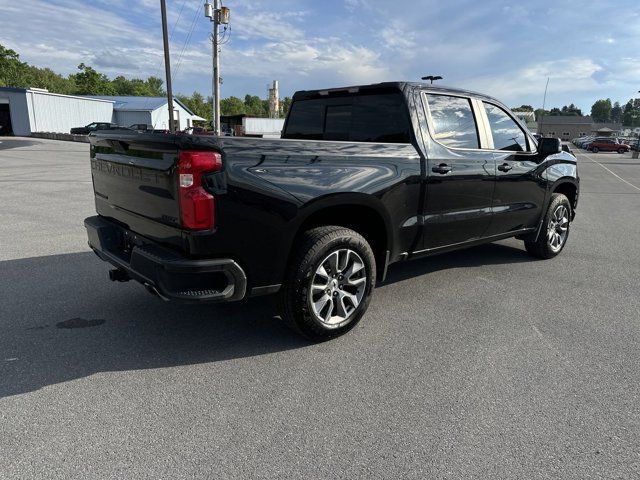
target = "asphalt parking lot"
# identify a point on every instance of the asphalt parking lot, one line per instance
(484, 363)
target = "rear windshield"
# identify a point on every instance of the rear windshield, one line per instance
(359, 118)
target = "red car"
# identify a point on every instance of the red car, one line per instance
(607, 145)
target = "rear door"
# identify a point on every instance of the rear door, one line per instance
(519, 193)
(460, 174)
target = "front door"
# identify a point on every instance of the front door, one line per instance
(460, 175)
(520, 191)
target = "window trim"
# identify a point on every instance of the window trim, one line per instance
(431, 127)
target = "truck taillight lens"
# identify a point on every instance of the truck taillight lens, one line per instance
(197, 209)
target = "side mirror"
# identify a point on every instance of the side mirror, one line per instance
(549, 146)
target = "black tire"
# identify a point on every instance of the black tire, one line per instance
(313, 247)
(594, 149)
(542, 248)
(622, 150)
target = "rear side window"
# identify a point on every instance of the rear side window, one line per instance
(507, 135)
(361, 118)
(453, 122)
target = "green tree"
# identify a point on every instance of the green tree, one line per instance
(197, 104)
(631, 114)
(154, 87)
(11, 68)
(255, 106)
(285, 105)
(571, 110)
(232, 106)
(90, 82)
(541, 113)
(601, 110)
(523, 108)
(616, 113)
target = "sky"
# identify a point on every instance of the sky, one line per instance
(506, 49)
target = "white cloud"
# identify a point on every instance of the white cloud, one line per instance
(571, 75)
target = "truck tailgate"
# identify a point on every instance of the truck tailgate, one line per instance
(137, 173)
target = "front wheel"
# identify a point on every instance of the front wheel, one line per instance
(329, 282)
(555, 229)
(594, 149)
(622, 150)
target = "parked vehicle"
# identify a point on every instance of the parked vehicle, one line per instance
(197, 131)
(95, 127)
(363, 177)
(607, 145)
(141, 127)
(586, 141)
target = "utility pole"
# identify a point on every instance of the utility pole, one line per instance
(216, 70)
(167, 64)
(217, 16)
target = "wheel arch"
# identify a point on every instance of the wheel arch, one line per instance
(362, 213)
(569, 188)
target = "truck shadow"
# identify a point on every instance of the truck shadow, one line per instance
(61, 320)
(487, 254)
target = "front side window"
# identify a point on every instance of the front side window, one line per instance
(453, 122)
(507, 135)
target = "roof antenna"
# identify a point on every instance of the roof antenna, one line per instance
(432, 78)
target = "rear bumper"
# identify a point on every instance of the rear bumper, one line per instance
(163, 271)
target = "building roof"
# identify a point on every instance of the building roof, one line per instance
(139, 104)
(566, 120)
(609, 125)
(44, 91)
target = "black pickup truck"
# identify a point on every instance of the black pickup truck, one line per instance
(362, 177)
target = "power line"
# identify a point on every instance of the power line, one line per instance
(187, 40)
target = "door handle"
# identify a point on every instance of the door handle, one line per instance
(505, 167)
(443, 169)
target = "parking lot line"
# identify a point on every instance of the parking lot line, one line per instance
(611, 172)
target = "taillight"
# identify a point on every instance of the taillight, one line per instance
(197, 210)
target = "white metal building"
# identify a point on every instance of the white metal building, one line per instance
(152, 111)
(243, 125)
(27, 110)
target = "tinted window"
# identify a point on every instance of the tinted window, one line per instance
(381, 118)
(306, 120)
(358, 118)
(507, 135)
(337, 122)
(453, 121)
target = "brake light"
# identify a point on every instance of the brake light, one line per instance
(197, 209)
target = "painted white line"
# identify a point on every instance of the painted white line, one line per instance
(612, 173)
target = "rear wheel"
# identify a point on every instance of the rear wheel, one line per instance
(555, 229)
(329, 282)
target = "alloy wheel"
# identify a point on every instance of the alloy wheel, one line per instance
(558, 228)
(338, 286)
